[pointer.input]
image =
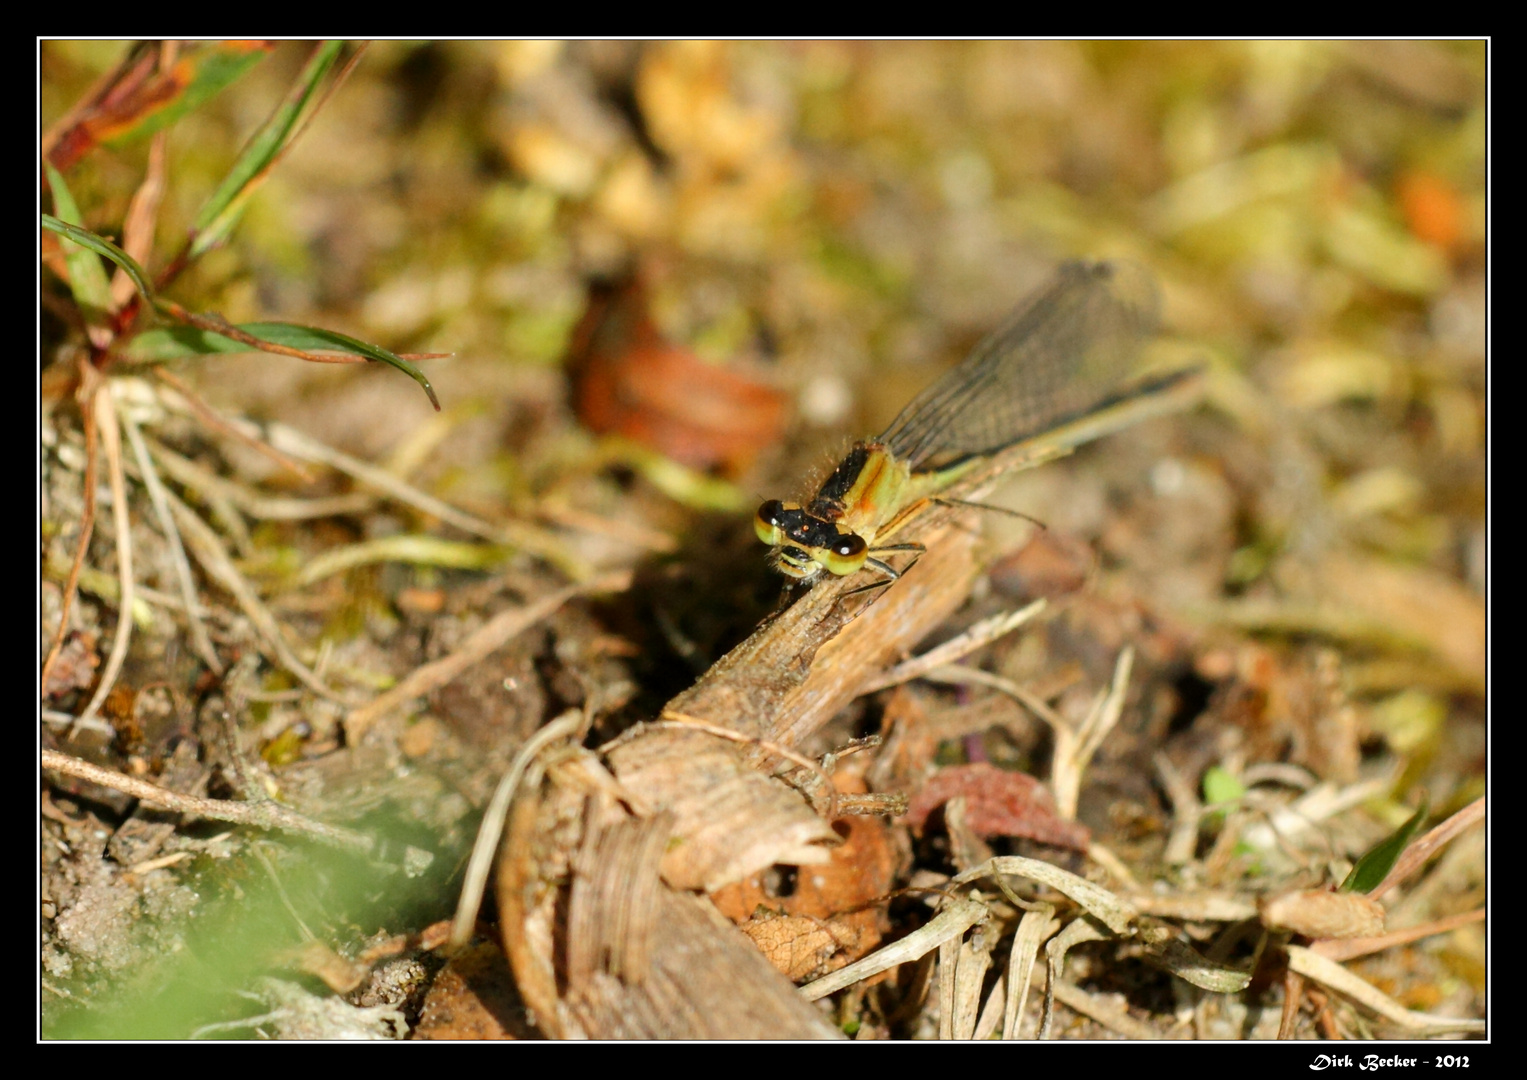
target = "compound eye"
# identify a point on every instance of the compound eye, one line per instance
(769, 523)
(846, 554)
(849, 546)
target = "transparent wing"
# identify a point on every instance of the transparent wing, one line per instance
(1061, 355)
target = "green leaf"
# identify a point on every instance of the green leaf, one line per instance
(188, 341)
(169, 343)
(87, 277)
(102, 246)
(222, 211)
(1221, 786)
(1376, 863)
(411, 548)
(176, 342)
(314, 337)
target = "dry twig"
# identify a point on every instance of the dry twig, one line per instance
(201, 644)
(89, 379)
(265, 815)
(111, 443)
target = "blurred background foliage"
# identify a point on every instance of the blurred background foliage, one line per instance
(843, 219)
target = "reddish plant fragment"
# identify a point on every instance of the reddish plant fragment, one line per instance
(631, 382)
(139, 91)
(999, 803)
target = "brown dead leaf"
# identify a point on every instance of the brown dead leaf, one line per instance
(630, 382)
(826, 920)
(1320, 913)
(337, 973)
(803, 948)
(999, 803)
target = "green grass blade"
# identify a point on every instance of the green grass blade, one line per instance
(1376, 863)
(101, 246)
(87, 277)
(314, 337)
(222, 211)
(173, 342)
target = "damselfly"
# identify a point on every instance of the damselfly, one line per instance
(1052, 376)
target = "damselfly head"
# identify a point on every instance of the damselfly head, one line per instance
(806, 545)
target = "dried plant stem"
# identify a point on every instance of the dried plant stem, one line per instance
(111, 443)
(234, 497)
(208, 549)
(201, 644)
(956, 649)
(89, 379)
(492, 827)
(69, 720)
(949, 924)
(1034, 929)
(244, 433)
(1182, 841)
(1352, 948)
(1074, 747)
(536, 541)
(1333, 976)
(264, 815)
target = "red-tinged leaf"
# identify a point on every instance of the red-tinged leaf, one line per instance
(143, 100)
(631, 382)
(999, 803)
